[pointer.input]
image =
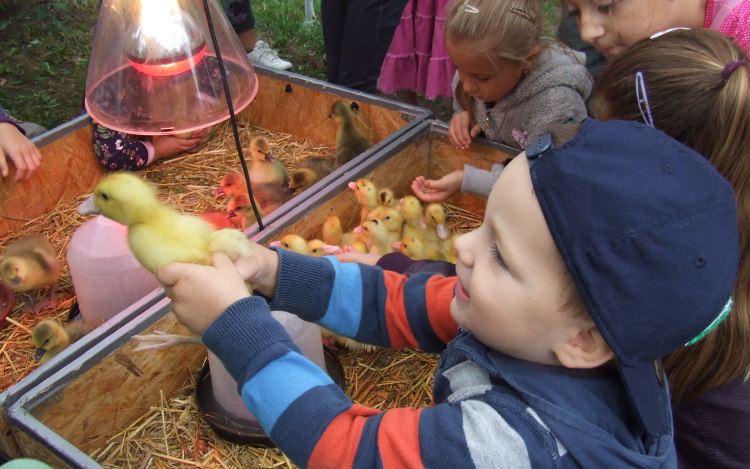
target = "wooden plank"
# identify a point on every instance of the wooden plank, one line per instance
(8, 444)
(35, 450)
(69, 168)
(119, 389)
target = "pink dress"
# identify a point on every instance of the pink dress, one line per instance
(417, 59)
(731, 18)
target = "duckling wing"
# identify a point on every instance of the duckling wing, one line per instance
(233, 243)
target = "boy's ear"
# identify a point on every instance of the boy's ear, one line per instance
(531, 58)
(587, 349)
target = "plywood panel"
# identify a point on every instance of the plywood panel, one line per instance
(69, 168)
(35, 450)
(119, 389)
(303, 112)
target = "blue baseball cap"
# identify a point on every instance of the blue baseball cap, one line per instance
(648, 230)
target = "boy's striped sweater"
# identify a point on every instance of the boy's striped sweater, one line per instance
(491, 410)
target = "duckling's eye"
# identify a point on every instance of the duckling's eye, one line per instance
(286, 245)
(229, 184)
(388, 217)
(315, 251)
(105, 196)
(242, 207)
(46, 340)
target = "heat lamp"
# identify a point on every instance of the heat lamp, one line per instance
(154, 68)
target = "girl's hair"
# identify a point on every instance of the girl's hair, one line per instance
(507, 29)
(693, 99)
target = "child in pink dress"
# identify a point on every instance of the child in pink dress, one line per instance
(417, 61)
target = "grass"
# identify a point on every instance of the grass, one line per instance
(47, 44)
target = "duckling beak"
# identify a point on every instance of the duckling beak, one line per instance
(329, 249)
(330, 115)
(275, 244)
(441, 231)
(357, 230)
(219, 192)
(352, 186)
(88, 207)
(16, 280)
(269, 157)
(39, 354)
(422, 223)
(397, 245)
(231, 213)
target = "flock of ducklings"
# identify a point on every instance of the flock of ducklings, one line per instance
(386, 225)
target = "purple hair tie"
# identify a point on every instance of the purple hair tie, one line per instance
(730, 68)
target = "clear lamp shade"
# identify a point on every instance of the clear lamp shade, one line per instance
(153, 68)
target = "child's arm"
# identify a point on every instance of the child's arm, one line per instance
(116, 150)
(470, 179)
(19, 149)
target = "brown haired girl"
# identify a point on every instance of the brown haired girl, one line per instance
(695, 86)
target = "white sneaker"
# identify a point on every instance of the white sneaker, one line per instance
(264, 55)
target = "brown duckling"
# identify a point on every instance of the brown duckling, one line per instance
(263, 167)
(50, 337)
(350, 141)
(31, 264)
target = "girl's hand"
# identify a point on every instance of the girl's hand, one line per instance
(200, 293)
(462, 129)
(430, 191)
(201, 133)
(167, 145)
(20, 150)
(360, 257)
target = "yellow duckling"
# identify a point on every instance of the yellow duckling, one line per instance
(350, 141)
(392, 220)
(157, 234)
(367, 196)
(449, 248)
(332, 230)
(360, 246)
(263, 167)
(319, 248)
(292, 243)
(386, 198)
(434, 216)
(309, 171)
(411, 210)
(240, 207)
(51, 338)
(31, 264)
(376, 236)
(411, 247)
(232, 185)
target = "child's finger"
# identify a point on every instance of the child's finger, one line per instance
(475, 130)
(170, 274)
(3, 164)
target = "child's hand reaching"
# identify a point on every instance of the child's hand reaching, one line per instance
(167, 145)
(431, 191)
(462, 129)
(19, 149)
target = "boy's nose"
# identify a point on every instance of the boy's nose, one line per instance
(463, 248)
(591, 26)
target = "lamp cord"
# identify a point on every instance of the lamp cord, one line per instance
(231, 114)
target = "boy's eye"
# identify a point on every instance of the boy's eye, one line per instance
(604, 7)
(498, 257)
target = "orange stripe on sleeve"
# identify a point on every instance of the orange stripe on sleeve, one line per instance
(338, 445)
(399, 330)
(438, 299)
(398, 439)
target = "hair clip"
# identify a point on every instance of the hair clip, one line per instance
(724, 313)
(662, 33)
(730, 68)
(469, 9)
(640, 93)
(523, 14)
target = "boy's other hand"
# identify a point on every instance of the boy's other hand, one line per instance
(20, 150)
(200, 293)
(166, 146)
(261, 270)
(431, 191)
(462, 129)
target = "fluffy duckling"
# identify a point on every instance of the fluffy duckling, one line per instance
(309, 171)
(411, 247)
(434, 216)
(232, 185)
(376, 236)
(332, 230)
(350, 141)
(269, 197)
(31, 264)
(292, 243)
(219, 220)
(319, 248)
(241, 208)
(263, 167)
(351, 344)
(51, 338)
(367, 196)
(360, 246)
(411, 210)
(157, 234)
(392, 220)
(449, 248)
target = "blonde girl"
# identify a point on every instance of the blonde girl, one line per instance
(510, 84)
(696, 88)
(614, 25)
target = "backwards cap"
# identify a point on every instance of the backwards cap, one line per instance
(648, 230)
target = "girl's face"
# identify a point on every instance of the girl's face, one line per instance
(481, 78)
(614, 25)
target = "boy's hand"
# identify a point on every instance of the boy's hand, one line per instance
(430, 191)
(360, 257)
(167, 145)
(462, 129)
(261, 270)
(200, 293)
(20, 150)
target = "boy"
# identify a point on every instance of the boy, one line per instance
(590, 251)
